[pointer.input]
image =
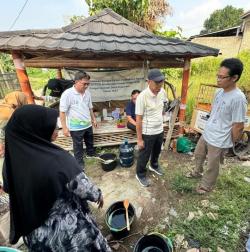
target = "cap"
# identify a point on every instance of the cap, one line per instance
(156, 75)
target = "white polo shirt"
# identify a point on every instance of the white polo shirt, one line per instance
(77, 108)
(150, 107)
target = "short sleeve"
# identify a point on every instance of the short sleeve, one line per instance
(64, 102)
(128, 109)
(239, 110)
(90, 102)
(140, 104)
(165, 98)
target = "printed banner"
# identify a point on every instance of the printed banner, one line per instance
(113, 85)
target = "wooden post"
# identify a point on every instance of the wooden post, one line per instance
(22, 75)
(185, 79)
(171, 125)
(59, 73)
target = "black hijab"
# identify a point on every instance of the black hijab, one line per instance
(36, 171)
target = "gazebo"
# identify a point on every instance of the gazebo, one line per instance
(105, 40)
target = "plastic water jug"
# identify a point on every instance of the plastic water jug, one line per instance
(126, 154)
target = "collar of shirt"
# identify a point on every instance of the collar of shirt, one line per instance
(151, 93)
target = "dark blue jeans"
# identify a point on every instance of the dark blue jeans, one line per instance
(152, 146)
(78, 137)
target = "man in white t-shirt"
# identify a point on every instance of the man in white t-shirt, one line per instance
(149, 125)
(224, 126)
(77, 117)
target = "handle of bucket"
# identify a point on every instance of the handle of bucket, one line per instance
(169, 242)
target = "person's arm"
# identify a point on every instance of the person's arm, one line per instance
(64, 125)
(93, 118)
(131, 120)
(238, 118)
(85, 189)
(237, 131)
(63, 108)
(140, 141)
(139, 111)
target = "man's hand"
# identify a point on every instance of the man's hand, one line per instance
(66, 132)
(140, 144)
(94, 123)
(100, 202)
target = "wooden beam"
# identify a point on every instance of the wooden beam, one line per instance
(100, 63)
(22, 75)
(185, 79)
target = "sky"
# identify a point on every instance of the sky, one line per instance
(43, 14)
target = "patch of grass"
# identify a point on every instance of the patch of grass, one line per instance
(231, 196)
(182, 184)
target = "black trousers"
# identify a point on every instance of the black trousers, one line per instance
(131, 126)
(78, 137)
(152, 146)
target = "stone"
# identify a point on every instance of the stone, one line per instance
(212, 216)
(191, 216)
(205, 203)
(220, 249)
(173, 212)
(145, 230)
(138, 212)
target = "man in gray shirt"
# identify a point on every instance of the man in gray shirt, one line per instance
(224, 126)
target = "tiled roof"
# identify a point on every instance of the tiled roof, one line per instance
(105, 33)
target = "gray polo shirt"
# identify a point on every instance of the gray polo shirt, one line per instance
(77, 108)
(228, 108)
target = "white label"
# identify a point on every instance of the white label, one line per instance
(201, 120)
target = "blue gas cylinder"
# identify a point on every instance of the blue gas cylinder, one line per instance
(126, 154)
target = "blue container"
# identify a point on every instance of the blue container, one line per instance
(126, 154)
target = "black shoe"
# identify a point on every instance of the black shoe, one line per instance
(94, 155)
(143, 181)
(158, 170)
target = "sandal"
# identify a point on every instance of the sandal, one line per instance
(202, 190)
(193, 174)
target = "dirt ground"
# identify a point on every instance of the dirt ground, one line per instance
(155, 205)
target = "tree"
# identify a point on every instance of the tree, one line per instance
(222, 19)
(6, 63)
(148, 14)
(74, 19)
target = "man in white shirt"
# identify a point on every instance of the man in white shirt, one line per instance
(149, 125)
(77, 117)
(224, 126)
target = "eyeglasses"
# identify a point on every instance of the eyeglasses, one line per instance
(219, 77)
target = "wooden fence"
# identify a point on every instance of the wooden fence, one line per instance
(8, 83)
